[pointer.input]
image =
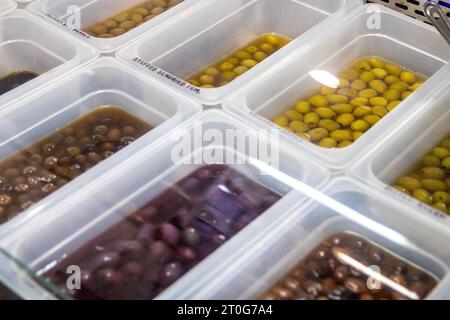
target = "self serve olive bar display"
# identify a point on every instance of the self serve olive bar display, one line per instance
(336, 117)
(229, 68)
(143, 254)
(43, 167)
(131, 18)
(340, 269)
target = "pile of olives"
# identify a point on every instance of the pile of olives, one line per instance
(337, 117)
(430, 183)
(127, 20)
(238, 63)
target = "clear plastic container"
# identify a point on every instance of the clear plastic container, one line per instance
(7, 6)
(391, 226)
(68, 14)
(425, 128)
(219, 28)
(84, 214)
(29, 45)
(104, 82)
(401, 40)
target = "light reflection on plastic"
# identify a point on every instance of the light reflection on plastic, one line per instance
(330, 203)
(325, 78)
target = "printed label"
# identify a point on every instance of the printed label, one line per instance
(69, 26)
(166, 75)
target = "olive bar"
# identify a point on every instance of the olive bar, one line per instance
(41, 168)
(429, 182)
(338, 269)
(130, 19)
(143, 254)
(236, 64)
(364, 94)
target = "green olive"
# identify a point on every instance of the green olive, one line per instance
(431, 161)
(311, 119)
(441, 153)
(318, 101)
(328, 143)
(441, 196)
(341, 135)
(293, 115)
(325, 113)
(318, 134)
(409, 183)
(303, 107)
(433, 172)
(345, 119)
(329, 124)
(342, 108)
(433, 185)
(422, 195)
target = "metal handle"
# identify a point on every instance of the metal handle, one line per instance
(437, 17)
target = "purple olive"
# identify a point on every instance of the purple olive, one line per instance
(86, 278)
(129, 248)
(169, 233)
(203, 174)
(186, 254)
(109, 276)
(148, 213)
(159, 251)
(133, 268)
(107, 260)
(183, 218)
(170, 273)
(190, 183)
(190, 236)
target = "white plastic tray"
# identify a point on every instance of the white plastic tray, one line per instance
(27, 44)
(399, 39)
(104, 82)
(221, 27)
(396, 156)
(65, 13)
(392, 226)
(84, 214)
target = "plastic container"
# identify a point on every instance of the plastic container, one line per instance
(104, 82)
(84, 214)
(73, 16)
(426, 127)
(397, 40)
(390, 225)
(6, 6)
(29, 45)
(185, 47)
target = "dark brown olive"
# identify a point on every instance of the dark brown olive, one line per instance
(29, 170)
(114, 134)
(21, 188)
(49, 147)
(51, 162)
(283, 293)
(11, 173)
(73, 151)
(355, 285)
(5, 200)
(94, 157)
(129, 131)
